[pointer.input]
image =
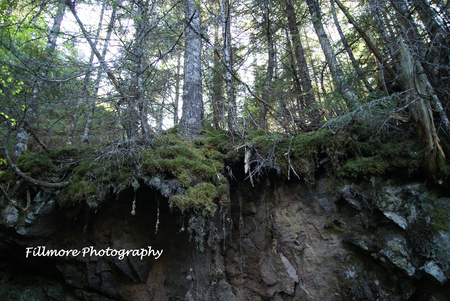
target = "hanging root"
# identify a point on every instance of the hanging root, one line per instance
(133, 206)
(157, 220)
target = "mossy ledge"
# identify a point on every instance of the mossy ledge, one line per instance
(195, 174)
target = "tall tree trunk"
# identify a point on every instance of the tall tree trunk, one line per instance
(228, 55)
(429, 18)
(336, 72)
(409, 29)
(87, 80)
(177, 88)
(422, 68)
(270, 66)
(99, 57)
(141, 30)
(192, 119)
(301, 64)
(217, 86)
(349, 51)
(160, 111)
(93, 97)
(390, 56)
(417, 86)
(32, 109)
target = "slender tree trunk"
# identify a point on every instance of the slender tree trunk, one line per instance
(31, 111)
(99, 57)
(366, 38)
(87, 79)
(228, 55)
(93, 97)
(390, 56)
(160, 112)
(388, 40)
(429, 18)
(409, 29)
(140, 24)
(438, 54)
(301, 64)
(192, 119)
(355, 64)
(217, 86)
(177, 89)
(336, 72)
(270, 66)
(292, 65)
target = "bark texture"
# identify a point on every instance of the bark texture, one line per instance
(192, 118)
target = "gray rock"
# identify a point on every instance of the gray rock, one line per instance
(432, 269)
(10, 216)
(396, 250)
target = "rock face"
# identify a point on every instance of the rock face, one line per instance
(336, 240)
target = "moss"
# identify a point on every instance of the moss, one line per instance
(184, 179)
(264, 142)
(200, 196)
(181, 161)
(439, 219)
(65, 152)
(363, 166)
(233, 156)
(215, 155)
(217, 139)
(36, 164)
(81, 191)
(174, 151)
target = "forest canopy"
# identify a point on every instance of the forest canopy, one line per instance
(99, 73)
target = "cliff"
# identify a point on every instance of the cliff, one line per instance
(322, 216)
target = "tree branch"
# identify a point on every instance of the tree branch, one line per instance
(24, 175)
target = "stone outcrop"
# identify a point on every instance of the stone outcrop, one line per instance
(373, 239)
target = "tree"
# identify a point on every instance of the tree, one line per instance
(338, 76)
(301, 64)
(94, 94)
(33, 107)
(225, 14)
(348, 49)
(192, 118)
(270, 63)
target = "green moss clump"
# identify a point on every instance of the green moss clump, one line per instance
(82, 191)
(218, 140)
(65, 152)
(182, 161)
(262, 141)
(36, 164)
(200, 196)
(364, 166)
